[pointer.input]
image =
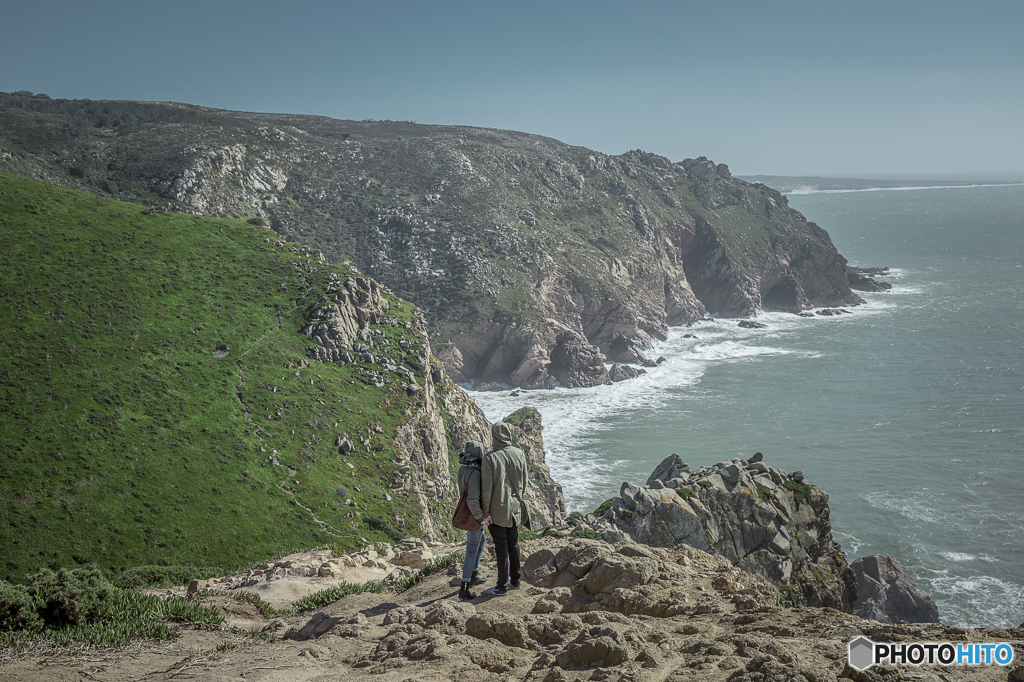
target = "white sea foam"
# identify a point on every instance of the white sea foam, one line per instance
(894, 189)
(851, 544)
(974, 601)
(958, 557)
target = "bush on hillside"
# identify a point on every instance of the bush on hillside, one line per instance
(146, 577)
(67, 597)
(70, 597)
(18, 609)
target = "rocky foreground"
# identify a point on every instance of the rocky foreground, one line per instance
(618, 611)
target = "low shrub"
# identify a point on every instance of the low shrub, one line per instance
(68, 597)
(587, 533)
(78, 607)
(149, 577)
(18, 609)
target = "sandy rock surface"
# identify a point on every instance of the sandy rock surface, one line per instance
(587, 610)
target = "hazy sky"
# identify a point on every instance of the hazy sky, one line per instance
(789, 88)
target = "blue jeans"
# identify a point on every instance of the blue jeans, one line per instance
(474, 550)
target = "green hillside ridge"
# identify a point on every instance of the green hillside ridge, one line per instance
(155, 406)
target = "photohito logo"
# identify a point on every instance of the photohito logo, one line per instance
(863, 653)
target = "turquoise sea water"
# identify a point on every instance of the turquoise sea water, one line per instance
(909, 412)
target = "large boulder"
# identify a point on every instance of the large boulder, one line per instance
(887, 593)
(575, 362)
(671, 468)
(617, 570)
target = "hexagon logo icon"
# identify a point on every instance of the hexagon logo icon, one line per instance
(861, 654)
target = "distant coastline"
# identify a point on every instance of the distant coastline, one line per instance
(794, 184)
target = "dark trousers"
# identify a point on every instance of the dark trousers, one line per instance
(506, 550)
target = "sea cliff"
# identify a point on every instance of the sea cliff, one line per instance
(534, 261)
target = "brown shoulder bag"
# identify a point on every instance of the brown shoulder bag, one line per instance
(463, 519)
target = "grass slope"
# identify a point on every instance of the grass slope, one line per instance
(128, 439)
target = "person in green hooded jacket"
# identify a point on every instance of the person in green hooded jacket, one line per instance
(504, 475)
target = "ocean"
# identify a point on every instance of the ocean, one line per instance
(909, 412)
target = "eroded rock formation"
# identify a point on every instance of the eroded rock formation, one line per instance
(587, 610)
(760, 518)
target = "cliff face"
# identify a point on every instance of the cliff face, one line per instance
(536, 260)
(351, 325)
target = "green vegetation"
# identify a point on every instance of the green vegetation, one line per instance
(801, 491)
(587, 533)
(763, 491)
(605, 506)
(151, 577)
(150, 368)
(251, 598)
(817, 574)
(333, 594)
(78, 606)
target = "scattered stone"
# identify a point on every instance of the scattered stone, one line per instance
(319, 624)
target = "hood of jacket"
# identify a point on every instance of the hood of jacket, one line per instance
(502, 434)
(471, 453)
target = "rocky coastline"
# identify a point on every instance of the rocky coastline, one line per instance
(534, 261)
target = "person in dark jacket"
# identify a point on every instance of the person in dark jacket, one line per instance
(469, 482)
(504, 475)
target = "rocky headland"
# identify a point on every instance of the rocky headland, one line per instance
(535, 261)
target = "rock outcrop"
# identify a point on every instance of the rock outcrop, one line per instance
(538, 261)
(887, 593)
(861, 279)
(758, 517)
(543, 493)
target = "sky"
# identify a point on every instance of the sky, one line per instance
(857, 89)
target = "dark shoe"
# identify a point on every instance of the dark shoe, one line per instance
(475, 579)
(498, 591)
(464, 592)
(513, 585)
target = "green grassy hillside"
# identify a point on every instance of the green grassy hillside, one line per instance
(150, 366)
